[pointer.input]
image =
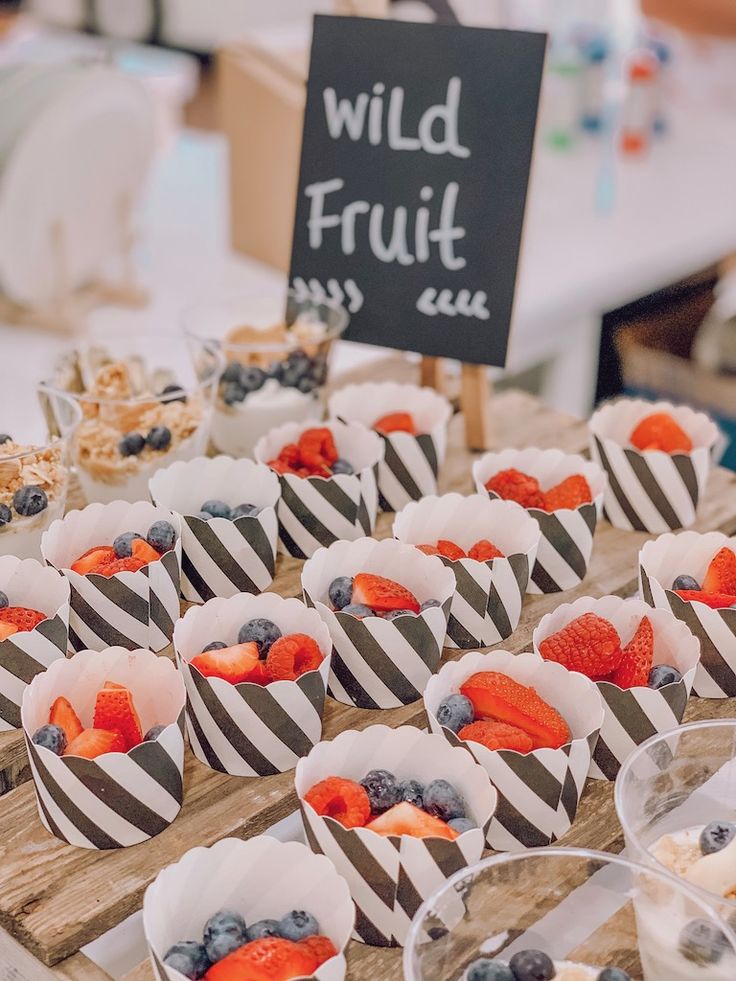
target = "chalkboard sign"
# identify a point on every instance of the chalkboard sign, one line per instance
(414, 169)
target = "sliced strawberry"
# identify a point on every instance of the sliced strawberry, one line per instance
(721, 574)
(233, 664)
(114, 684)
(91, 743)
(280, 467)
(636, 663)
(716, 601)
(266, 959)
(498, 697)
(92, 558)
(62, 714)
(408, 819)
(429, 549)
(144, 552)
(320, 947)
(659, 431)
(344, 800)
(21, 617)
(7, 630)
(396, 422)
(484, 551)
(570, 494)
(114, 566)
(291, 656)
(114, 710)
(450, 550)
(259, 675)
(290, 455)
(497, 735)
(382, 594)
(589, 644)
(513, 485)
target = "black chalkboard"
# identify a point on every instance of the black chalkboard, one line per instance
(404, 123)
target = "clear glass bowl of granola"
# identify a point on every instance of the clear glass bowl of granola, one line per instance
(276, 350)
(146, 399)
(35, 435)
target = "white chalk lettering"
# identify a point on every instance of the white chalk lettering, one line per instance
(447, 232)
(444, 113)
(344, 115)
(431, 303)
(317, 220)
(397, 249)
(396, 139)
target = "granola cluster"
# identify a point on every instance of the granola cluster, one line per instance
(676, 854)
(41, 468)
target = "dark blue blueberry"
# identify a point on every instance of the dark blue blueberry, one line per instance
(30, 500)
(340, 592)
(188, 958)
(252, 378)
(264, 632)
(245, 511)
(392, 614)
(4, 438)
(51, 737)
(413, 791)
(443, 801)
(297, 925)
(171, 390)
(131, 444)
(715, 836)
(263, 928)
(487, 970)
(429, 605)
(685, 582)
(161, 536)
(613, 974)
(216, 645)
(383, 790)
(661, 675)
(123, 544)
(6, 515)
(153, 733)
(232, 372)
(532, 965)
(223, 933)
(702, 942)
(3, 600)
(359, 610)
(203, 515)
(159, 438)
(276, 371)
(232, 393)
(218, 509)
(461, 824)
(306, 385)
(455, 711)
(342, 466)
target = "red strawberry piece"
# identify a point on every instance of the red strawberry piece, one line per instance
(589, 644)
(659, 431)
(408, 819)
(484, 551)
(259, 675)
(290, 455)
(291, 656)
(497, 735)
(91, 743)
(233, 664)
(450, 550)
(396, 422)
(721, 574)
(21, 617)
(500, 698)
(62, 714)
(144, 552)
(382, 595)
(114, 711)
(266, 959)
(320, 947)
(636, 663)
(280, 467)
(568, 494)
(7, 630)
(317, 448)
(344, 800)
(716, 601)
(429, 549)
(513, 485)
(112, 568)
(92, 558)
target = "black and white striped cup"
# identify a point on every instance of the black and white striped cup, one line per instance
(261, 878)
(129, 609)
(117, 799)
(486, 605)
(314, 512)
(690, 553)
(391, 876)
(566, 541)
(221, 557)
(411, 466)
(651, 491)
(538, 792)
(634, 714)
(27, 653)
(378, 663)
(251, 730)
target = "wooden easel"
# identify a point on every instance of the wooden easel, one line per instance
(475, 398)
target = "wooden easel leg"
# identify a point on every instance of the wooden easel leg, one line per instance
(431, 374)
(475, 402)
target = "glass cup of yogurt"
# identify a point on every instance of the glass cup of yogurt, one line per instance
(276, 349)
(566, 914)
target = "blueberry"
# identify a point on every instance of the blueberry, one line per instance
(383, 790)
(51, 737)
(443, 801)
(203, 515)
(131, 444)
(701, 942)
(661, 675)
(159, 438)
(218, 509)
(276, 371)
(461, 824)
(685, 582)
(715, 836)
(429, 605)
(153, 733)
(223, 933)
(392, 614)
(613, 974)
(359, 610)
(232, 372)
(413, 791)
(297, 925)
(306, 385)
(263, 632)
(263, 928)
(173, 389)
(245, 511)
(188, 958)
(4, 438)
(455, 711)
(123, 544)
(3, 600)
(252, 378)
(342, 466)
(340, 592)
(6, 515)
(30, 500)
(216, 645)
(232, 393)
(487, 970)
(161, 536)
(532, 965)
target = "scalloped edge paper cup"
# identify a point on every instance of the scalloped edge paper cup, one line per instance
(391, 876)
(652, 491)
(634, 714)
(317, 511)
(538, 792)
(118, 799)
(689, 553)
(411, 466)
(29, 652)
(251, 730)
(566, 541)
(221, 557)
(261, 878)
(130, 609)
(379, 663)
(488, 598)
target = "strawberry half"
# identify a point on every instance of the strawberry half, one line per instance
(721, 574)
(588, 644)
(407, 819)
(498, 697)
(21, 617)
(396, 422)
(428, 549)
(7, 630)
(344, 800)
(92, 558)
(143, 551)
(497, 735)
(484, 551)
(232, 664)
(114, 710)
(659, 431)
(62, 714)
(450, 550)
(382, 595)
(265, 959)
(636, 663)
(569, 494)
(92, 743)
(716, 601)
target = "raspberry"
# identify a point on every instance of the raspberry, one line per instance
(569, 494)
(484, 551)
(450, 550)
(497, 735)
(131, 564)
(636, 662)
(513, 485)
(589, 644)
(320, 947)
(341, 799)
(21, 617)
(292, 656)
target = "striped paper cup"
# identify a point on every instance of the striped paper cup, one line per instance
(690, 553)
(538, 792)
(412, 464)
(488, 597)
(117, 799)
(651, 491)
(251, 730)
(221, 557)
(261, 878)
(391, 876)
(317, 511)
(566, 539)
(379, 663)
(27, 653)
(129, 609)
(634, 714)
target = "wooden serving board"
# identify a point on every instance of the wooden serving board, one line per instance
(54, 899)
